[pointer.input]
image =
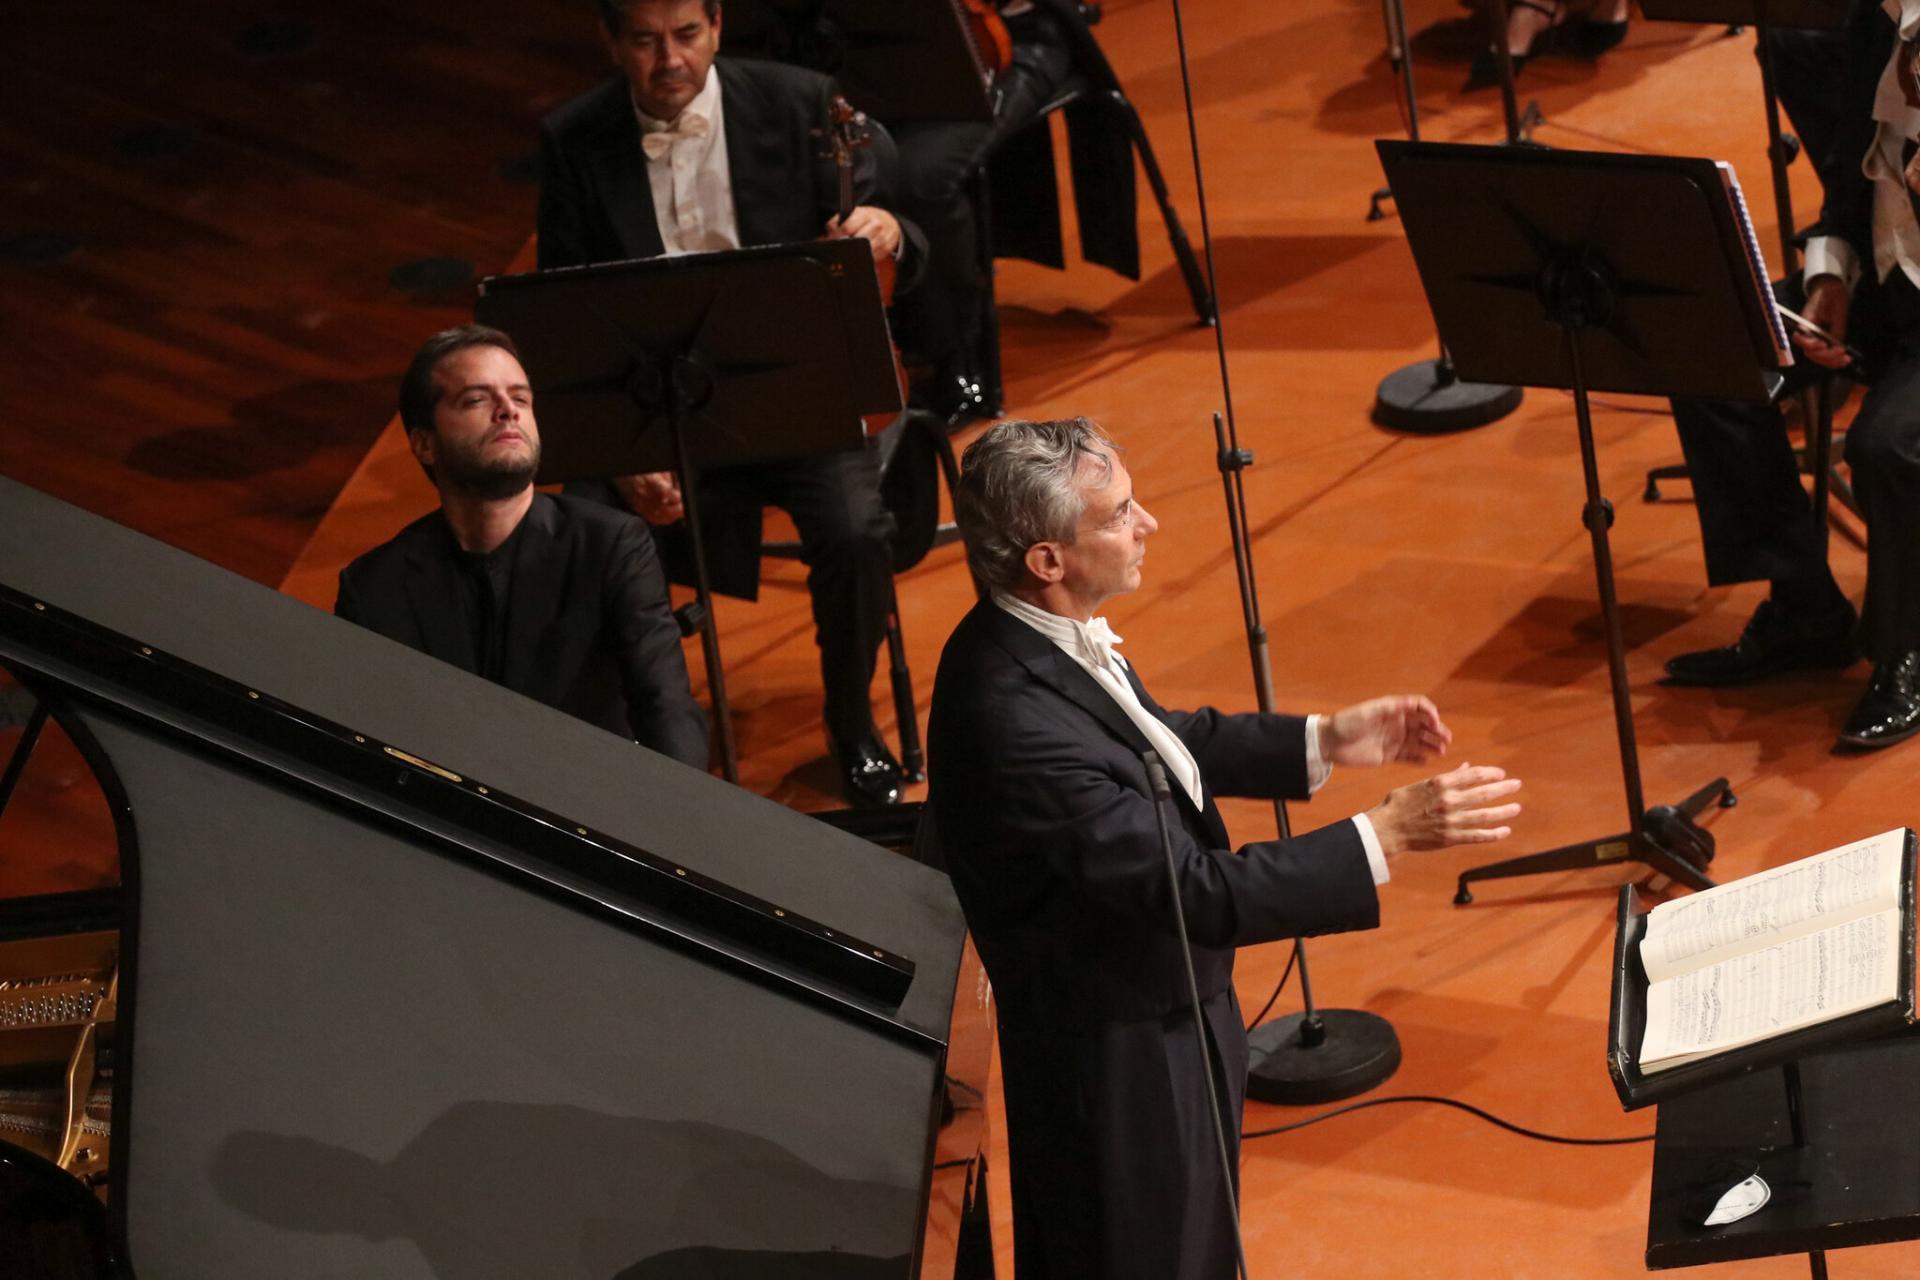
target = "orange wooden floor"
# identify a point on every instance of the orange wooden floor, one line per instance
(1455, 566)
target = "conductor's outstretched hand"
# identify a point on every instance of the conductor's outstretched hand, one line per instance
(1467, 805)
(1405, 728)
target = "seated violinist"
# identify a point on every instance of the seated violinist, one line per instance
(685, 151)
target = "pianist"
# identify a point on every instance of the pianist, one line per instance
(557, 598)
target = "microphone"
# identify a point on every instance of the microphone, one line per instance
(1162, 798)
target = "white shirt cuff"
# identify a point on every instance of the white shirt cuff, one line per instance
(1370, 841)
(1832, 256)
(1318, 768)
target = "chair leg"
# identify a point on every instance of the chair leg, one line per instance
(1197, 290)
(1674, 471)
(986, 341)
(913, 760)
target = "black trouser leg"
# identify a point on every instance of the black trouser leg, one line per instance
(1883, 448)
(939, 320)
(1756, 522)
(845, 541)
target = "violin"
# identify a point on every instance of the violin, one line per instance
(848, 132)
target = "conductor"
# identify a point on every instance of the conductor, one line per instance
(1042, 810)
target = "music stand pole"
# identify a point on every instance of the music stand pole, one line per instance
(1576, 299)
(1316, 1055)
(683, 395)
(1427, 396)
(1393, 16)
(1520, 124)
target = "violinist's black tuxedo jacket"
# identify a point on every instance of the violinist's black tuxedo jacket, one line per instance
(1043, 815)
(588, 628)
(595, 201)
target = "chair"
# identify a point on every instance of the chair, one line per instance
(1016, 194)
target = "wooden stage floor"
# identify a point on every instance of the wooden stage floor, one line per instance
(214, 359)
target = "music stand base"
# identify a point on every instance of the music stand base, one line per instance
(1427, 398)
(1669, 841)
(1359, 1053)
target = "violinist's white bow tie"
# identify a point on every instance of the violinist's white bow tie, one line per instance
(658, 142)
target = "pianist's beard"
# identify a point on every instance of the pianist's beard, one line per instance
(467, 471)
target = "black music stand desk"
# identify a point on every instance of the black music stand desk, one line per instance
(1600, 272)
(698, 361)
(1828, 1115)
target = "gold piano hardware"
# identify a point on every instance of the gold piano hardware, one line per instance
(58, 997)
(64, 1000)
(428, 765)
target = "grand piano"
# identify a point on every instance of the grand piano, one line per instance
(419, 978)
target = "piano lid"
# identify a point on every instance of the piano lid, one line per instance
(246, 671)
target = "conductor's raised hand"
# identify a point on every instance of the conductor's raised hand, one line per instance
(1403, 728)
(880, 229)
(1467, 805)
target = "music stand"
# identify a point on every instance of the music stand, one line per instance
(1600, 272)
(675, 363)
(897, 62)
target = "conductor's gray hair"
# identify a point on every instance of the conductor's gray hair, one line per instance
(1020, 484)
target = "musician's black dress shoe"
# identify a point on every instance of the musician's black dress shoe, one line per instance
(1775, 640)
(1890, 711)
(869, 775)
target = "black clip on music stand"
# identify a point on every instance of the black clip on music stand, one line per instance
(1593, 272)
(699, 361)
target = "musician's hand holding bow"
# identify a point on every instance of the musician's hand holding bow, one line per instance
(879, 228)
(1826, 306)
(654, 496)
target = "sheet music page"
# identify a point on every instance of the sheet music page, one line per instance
(1774, 906)
(1809, 980)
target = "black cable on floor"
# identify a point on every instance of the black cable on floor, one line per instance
(1467, 1107)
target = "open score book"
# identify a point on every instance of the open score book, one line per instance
(1801, 944)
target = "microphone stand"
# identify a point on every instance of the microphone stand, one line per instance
(1316, 1055)
(1162, 798)
(1427, 396)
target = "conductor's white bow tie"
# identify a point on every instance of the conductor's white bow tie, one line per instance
(657, 142)
(1096, 641)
